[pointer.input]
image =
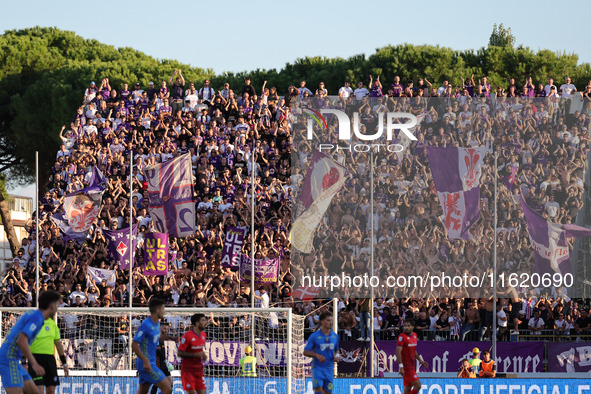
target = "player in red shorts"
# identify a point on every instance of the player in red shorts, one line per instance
(406, 353)
(192, 352)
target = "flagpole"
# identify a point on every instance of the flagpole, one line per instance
(37, 228)
(252, 197)
(494, 322)
(371, 268)
(130, 285)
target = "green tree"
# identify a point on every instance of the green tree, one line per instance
(501, 37)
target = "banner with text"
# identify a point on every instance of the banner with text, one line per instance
(232, 248)
(266, 271)
(512, 357)
(156, 254)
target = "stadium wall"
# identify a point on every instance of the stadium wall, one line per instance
(128, 385)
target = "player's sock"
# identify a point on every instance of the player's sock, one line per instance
(413, 391)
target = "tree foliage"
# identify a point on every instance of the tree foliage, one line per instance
(44, 71)
(501, 37)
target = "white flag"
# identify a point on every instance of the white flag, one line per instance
(98, 274)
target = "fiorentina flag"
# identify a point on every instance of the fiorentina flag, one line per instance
(306, 293)
(549, 241)
(82, 207)
(456, 174)
(118, 245)
(511, 178)
(98, 274)
(324, 179)
(170, 191)
(232, 249)
(266, 271)
(156, 254)
(66, 229)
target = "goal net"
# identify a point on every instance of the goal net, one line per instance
(97, 346)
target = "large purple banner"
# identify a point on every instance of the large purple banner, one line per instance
(512, 357)
(569, 357)
(549, 241)
(170, 190)
(228, 353)
(118, 245)
(266, 271)
(156, 254)
(232, 248)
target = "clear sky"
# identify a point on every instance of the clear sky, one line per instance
(245, 35)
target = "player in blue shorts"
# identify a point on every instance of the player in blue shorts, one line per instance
(323, 347)
(15, 379)
(144, 345)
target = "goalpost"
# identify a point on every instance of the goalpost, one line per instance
(98, 352)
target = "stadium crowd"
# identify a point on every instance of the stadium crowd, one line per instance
(541, 145)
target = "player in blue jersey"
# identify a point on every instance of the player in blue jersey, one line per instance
(15, 379)
(323, 347)
(144, 346)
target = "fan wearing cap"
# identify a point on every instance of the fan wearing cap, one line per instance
(475, 361)
(136, 95)
(248, 364)
(152, 91)
(90, 93)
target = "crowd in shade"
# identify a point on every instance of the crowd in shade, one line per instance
(542, 144)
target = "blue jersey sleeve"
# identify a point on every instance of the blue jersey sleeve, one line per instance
(33, 325)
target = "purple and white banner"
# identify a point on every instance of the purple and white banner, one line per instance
(512, 357)
(549, 241)
(569, 356)
(66, 229)
(99, 274)
(118, 245)
(232, 249)
(82, 207)
(156, 254)
(456, 174)
(170, 191)
(229, 353)
(266, 271)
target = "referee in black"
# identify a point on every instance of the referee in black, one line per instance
(43, 348)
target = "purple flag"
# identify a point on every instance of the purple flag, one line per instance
(156, 254)
(549, 241)
(266, 271)
(118, 245)
(510, 178)
(456, 174)
(569, 356)
(232, 248)
(170, 191)
(66, 229)
(97, 178)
